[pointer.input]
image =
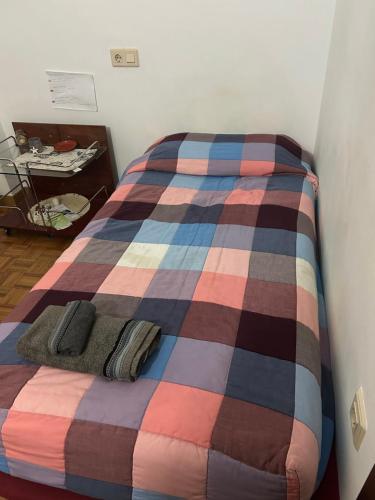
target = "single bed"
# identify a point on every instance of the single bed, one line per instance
(213, 238)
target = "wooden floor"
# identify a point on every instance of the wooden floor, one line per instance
(24, 259)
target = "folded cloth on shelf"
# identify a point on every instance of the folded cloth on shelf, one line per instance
(117, 348)
(73, 329)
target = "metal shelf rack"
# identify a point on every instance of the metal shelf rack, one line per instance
(20, 215)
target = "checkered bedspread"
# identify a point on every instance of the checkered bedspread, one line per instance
(213, 238)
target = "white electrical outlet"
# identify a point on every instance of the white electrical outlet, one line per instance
(125, 57)
(358, 418)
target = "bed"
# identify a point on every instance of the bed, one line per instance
(213, 238)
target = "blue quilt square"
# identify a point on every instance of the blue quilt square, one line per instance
(156, 363)
(199, 214)
(218, 183)
(8, 353)
(277, 241)
(166, 151)
(305, 249)
(139, 494)
(151, 177)
(262, 380)
(285, 182)
(184, 257)
(308, 404)
(169, 314)
(187, 181)
(98, 489)
(194, 149)
(153, 231)
(308, 189)
(199, 235)
(282, 155)
(226, 151)
(4, 464)
(118, 230)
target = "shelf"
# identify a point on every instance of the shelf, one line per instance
(12, 219)
(95, 179)
(9, 170)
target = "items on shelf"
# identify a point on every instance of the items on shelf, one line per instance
(59, 212)
(35, 145)
(65, 146)
(49, 159)
(22, 141)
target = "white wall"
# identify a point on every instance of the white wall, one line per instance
(346, 166)
(213, 65)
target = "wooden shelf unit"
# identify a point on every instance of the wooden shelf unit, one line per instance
(99, 172)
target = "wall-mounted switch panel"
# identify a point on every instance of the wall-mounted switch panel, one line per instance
(125, 57)
(358, 418)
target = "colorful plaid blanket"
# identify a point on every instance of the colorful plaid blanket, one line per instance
(212, 237)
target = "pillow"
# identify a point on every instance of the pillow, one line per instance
(226, 154)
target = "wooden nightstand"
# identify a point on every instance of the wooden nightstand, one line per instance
(96, 180)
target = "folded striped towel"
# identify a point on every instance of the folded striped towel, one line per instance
(116, 349)
(135, 344)
(73, 328)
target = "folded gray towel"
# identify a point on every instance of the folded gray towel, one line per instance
(73, 329)
(116, 349)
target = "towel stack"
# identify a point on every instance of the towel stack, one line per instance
(75, 338)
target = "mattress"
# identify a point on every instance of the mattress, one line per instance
(213, 238)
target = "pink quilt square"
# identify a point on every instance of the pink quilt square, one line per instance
(307, 310)
(228, 261)
(138, 167)
(182, 412)
(256, 167)
(221, 289)
(307, 206)
(53, 392)
(121, 192)
(71, 253)
(243, 197)
(39, 439)
(169, 466)
(127, 281)
(303, 450)
(177, 196)
(51, 276)
(186, 165)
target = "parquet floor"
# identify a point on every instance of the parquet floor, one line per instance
(24, 259)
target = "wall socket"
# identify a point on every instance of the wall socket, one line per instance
(125, 57)
(358, 418)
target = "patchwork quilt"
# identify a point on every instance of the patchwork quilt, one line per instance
(213, 238)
